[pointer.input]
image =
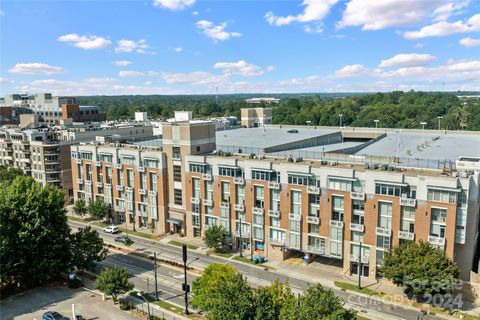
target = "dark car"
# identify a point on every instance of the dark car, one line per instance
(124, 240)
(292, 131)
(53, 315)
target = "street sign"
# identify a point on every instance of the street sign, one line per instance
(183, 287)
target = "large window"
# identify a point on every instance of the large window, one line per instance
(277, 235)
(105, 157)
(339, 184)
(240, 194)
(296, 202)
(391, 189)
(358, 217)
(317, 243)
(441, 195)
(258, 233)
(259, 195)
(226, 191)
(230, 172)
(275, 200)
(130, 178)
(153, 181)
(295, 226)
(408, 219)
(176, 153)
(265, 175)
(438, 221)
(89, 172)
(336, 249)
(209, 188)
(337, 208)
(108, 178)
(127, 159)
(196, 188)
(177, 173)
(314, 205)
(177, 197)
(385, 215)
(299, 179)
(143, 180)
(192, 167)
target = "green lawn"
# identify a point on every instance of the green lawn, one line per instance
(102, 224)
(242, 259)
(163, 304)
(179, 244)
(361, 318)
(353, 287)
(221, 254)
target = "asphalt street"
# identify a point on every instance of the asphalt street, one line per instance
(170, 280)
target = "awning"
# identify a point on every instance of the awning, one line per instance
(264, 170)
(302, 174)
(342, 178)
(175, 221)
(444, 188)
(398, 184)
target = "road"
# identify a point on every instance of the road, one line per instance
(171, 280)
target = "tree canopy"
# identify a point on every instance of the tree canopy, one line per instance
(80, 208)
(87, 248)
(98, 209)
(113, 282)
(215, 237)
(8, 174)
(420, 268)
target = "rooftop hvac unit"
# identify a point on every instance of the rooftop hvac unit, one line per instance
(289, 159)
(464, 174)
(299, 159)
(375, 166)
(323, 162)
(333, 163)
(455, 174)
(252, 155)
(366, 165)
(391, 168)
(228, 154)
(384, 166)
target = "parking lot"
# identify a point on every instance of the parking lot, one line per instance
(34, 303)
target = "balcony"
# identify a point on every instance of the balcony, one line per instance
(437, 241)
(225, 205)
(406, 235)
(119, 209)
(257, 210)
(383, 232)
(357, 227)
(313, 190)
(295, 217)
(207, 177)
(336, 224)
(313, 220)
(239, 207)
(142, 191)
(128, 189)
(152, 193)
(141, 169)
(274, 185)
(176, 156)
(78, 161)
(79, 180)
(118, 166)
(239, 180)
(357, 195)
(274, 213)
(98, 164)
(195, 200)
(88, 182)
(108, 185)
(407, 202)
(276, 242)
(119, 188)
(99, 184)
(315, 250)
(207, 202)
(355, 258)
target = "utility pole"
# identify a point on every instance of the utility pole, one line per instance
(439, 120)
(360, 268)
(155, 270)
(185, 284)
(241, 242)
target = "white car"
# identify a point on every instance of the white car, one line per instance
(111, 229)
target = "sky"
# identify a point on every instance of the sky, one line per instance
(196, 46)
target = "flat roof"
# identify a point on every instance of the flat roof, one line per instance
(264, 137)
(438, 146)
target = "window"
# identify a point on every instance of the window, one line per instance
(240, 194)
(195, 208)
(225, 213)
(130, 178)
(408, 219)
(230, 172)
(265, 175)
(89, 172)
(210, 221)
(143, 180)
(442, 195)
(177, 173)
(337, 210)
(460, 225)
(296, 202)
(226, 191)
(339, 184)
(275, 200)
(390, 189)
(336, 249)
(355, 250)
(358, 205)
(438, 220)
(196, 188)
(177, 197)
(383, 242)
(297, 179)
(150, 163)
(258, 233)
(275, 222)
(225, 224)
(294, 240)
(314, 205)
(258, 196)
(318, 244)
(176, 153)
(336, 233)
(209, 188)
(105, 157)
(127, 159)
(99, 175)
(120, 177)
(258, 219)
(85, 155)
(277, 235)
(385, 215)
(357, 236)
(313, 228)
(358, 217)
(295, 226)
(153, 181)
(462, 198)
(195, 220)
(200, 168)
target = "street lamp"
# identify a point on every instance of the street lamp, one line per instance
(397, 140)
(148, 303)
(376, 127)
(423, 123)
(439, 119)
(341, 117)
(308, 122)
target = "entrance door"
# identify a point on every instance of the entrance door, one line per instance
(354, 269)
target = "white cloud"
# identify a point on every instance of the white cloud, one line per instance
(2, 13)
(123, 63)
(178, 49)
(130, 74)
(469, 42)
(318, 28)
(35, 68)
(124, 45)
(408, 60)
(352, 70)
(270, 68)
(444, 28)
(174, 5)
(5, 80)
(315, 10)
(195, 13)
(216, 32)
(147, 83)
(85, 42)
(240, 67)
(376, 15)
(196, 77)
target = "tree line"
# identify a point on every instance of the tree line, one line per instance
(396, 109)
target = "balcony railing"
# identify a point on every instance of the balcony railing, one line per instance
(128, 189)
(407, 202)
(108, 185)
(195, 200)
(238, 180)
(257, 210)
(78, 161)
(316, 250)
(118, 166)
(225, 205)
(357, 227)
(406, 235)
(336, 223)
(207, 202)
(239, 207)
(119, 188)
(313, 220)
(207, 177)
(98, 164)
(295, 217)
(99, 184)
(354, 258)
(79, 180)
(357, 195)
(141, 169)
(152, 193)
(276, 242)
(273, 185)
(274, 213)
(142, 191)
(313, 190)
(438, 241)
(383, 232)
(88, 182)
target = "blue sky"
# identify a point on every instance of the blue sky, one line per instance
(195, 46)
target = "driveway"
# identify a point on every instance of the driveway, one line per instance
(34, 303)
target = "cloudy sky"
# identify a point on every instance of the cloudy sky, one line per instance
(195, 46)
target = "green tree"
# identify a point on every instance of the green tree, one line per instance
(215, 237)
(34, 246)
(98, 209)
(113, 282)
(270, 300)
(8, 174)
(80, 208)
(86, 248)
(419, 268)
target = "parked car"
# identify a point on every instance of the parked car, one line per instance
(111, 229)
(292, 131)
(53, 315)
(122, 239)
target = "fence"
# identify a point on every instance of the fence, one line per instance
(344, 157)
(156, 311)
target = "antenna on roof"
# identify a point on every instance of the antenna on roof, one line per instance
(216, 95)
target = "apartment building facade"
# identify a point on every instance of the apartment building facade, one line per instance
(255, 117)
(276, 208)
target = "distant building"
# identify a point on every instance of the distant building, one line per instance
(255, 117)
(262, 100)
